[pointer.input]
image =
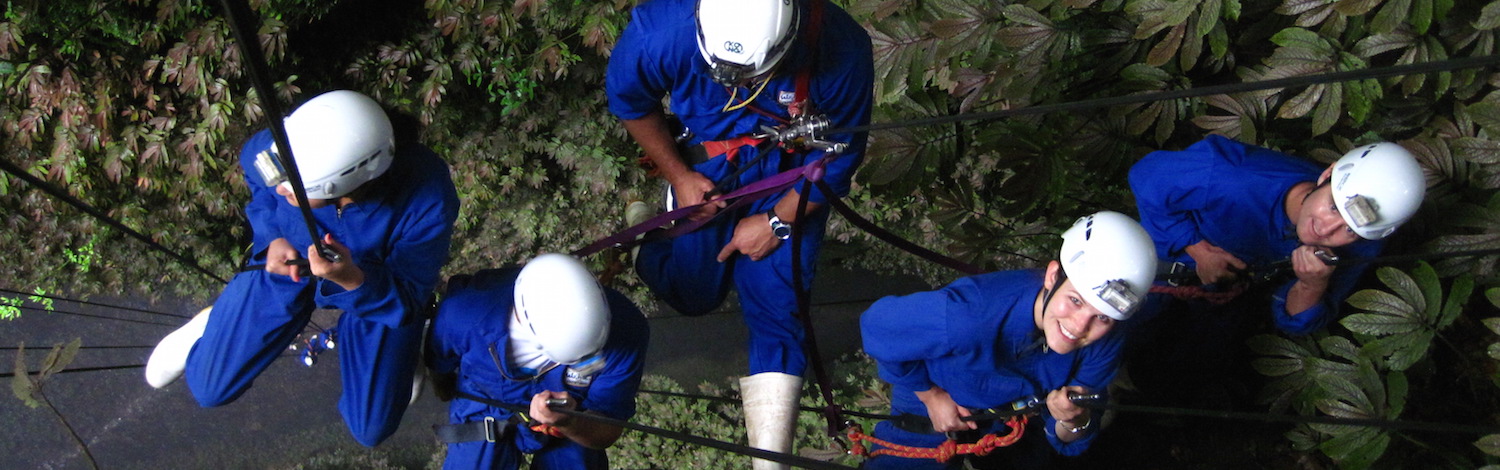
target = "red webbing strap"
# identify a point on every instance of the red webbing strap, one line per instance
(729, 148)
(942, 453)
(1197, 292)
(800, 103)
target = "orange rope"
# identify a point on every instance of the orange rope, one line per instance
(547, 429)
(941, 453)
(1197, 292)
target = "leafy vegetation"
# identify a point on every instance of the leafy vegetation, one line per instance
(138, 107)
(27, 386)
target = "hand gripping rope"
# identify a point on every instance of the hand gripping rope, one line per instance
(238, 12)
(942, 453)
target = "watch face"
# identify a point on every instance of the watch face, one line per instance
(783, 231)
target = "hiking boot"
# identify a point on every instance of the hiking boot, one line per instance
(169, 359)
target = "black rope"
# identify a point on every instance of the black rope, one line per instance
(101, 216)
(66, 312)
(1162, 410)
(85, 302)
(80, 369)
(15, 348)
(1341, 76)
(1297, 419)
(794, 460)
(804, 313)
(238, 13)
(888, 237)
(1275, 269)
(736, 401)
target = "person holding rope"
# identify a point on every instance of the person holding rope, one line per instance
(733, 68)
(994, 339)
(1224, 209)
(545, 332)
(387, 209)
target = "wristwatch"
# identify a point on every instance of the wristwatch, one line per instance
(781, 229)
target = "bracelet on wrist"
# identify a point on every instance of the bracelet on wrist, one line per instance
(1082, 428)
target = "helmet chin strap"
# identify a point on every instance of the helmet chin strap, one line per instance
(1047, 293)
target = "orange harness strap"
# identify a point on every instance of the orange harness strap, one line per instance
(941, 453)
(547, 429)
(729, 148)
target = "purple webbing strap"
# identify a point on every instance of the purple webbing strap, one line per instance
(741, 197)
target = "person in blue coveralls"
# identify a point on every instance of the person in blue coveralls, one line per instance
(1221, 206)
(989, 340)
(545, 331)
(731, 67)
(386, 207)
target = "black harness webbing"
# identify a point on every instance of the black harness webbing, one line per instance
(487, 430)
(793, 460)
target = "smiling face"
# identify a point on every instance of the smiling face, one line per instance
(1067, 320)
(1318, 220)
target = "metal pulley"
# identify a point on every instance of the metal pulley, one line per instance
(803, 132)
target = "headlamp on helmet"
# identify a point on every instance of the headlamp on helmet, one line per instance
(1117, 294)
(1360, 211)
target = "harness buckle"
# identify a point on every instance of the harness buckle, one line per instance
(489, 429)
(1175, 273)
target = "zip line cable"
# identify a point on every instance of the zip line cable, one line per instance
(66, 312)
(734, 401)
(1446, 65)
(1192, 412)
(16, 348)
(18, 172)
(97, 304)
(794, 460)
(1294, 419)
(80, 369)
(238, 14)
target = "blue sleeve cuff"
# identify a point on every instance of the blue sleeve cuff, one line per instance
(1069, 449)
(1304, 323)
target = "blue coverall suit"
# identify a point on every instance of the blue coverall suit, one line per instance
(471, 337)
(399, 237)
(1234, 196)
(657, 55)
(977, 339)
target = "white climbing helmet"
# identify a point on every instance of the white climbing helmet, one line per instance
(1377, 188)
(1111, 261)
(340, 139)
(562, 304)
(743, 39)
